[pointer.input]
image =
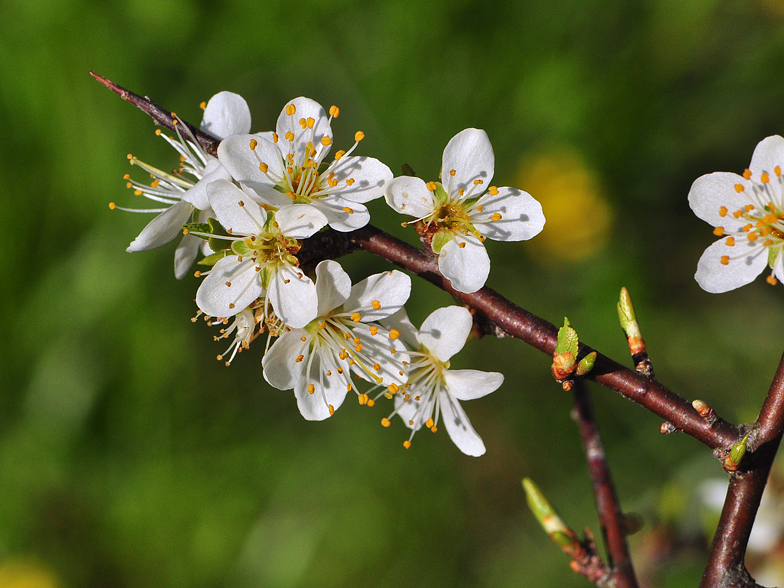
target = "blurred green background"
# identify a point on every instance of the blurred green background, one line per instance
(130, 457)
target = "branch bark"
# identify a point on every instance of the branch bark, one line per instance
(608, 507)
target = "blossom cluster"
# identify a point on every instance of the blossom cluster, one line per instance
(248, 212)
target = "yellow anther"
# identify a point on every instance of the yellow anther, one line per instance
(393, 388)
(385, 422)
(358, 136)
(493, 191)
(768, 243)
(339, 155)
(310, 122)
(432, 186)
(771, 280)
(480, 208)
(232, 305)
(737, 213)
(203, 105)
(452, 172)
(348, 388)
(374, 330)
(718, 231)
(112, 206)
(275, 137)
(371, 403)
(394, 334)
(496, 216)
(138, 192)
(323, 325)
(461, 245)
(433, 429)
(348, 210)
(197, 274)
(355, 317)
(478, 182)
(326, 141)
(747, 174)
(725, 260)
(376, 304)
(376, 366)
(777, 170)
(350, 182)
(289, 136)
(739, 188)
(753, 237)
(331, 410)
(253, 144)
(764, 178)
(311, 389)
(334, 111)
(358, 348)
(746, 228)
(303, 339)
(299, 358)
(722, 211)
(355, 341)
(730, 241)
(407, 444)
(291, 109)
(263, 167)
(748, 207)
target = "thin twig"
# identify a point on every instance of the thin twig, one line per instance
(608, 507)
(160, 115)
(726, 567)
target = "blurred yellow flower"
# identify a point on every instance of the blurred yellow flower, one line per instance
(579, 217)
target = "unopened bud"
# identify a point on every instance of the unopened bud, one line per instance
(732, 461)
(549, 519)
(586, 364)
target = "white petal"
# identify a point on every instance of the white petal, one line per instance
(343, 215)
(768, 154)
(711, 192)
(281, 368)
(471, 384)
(305, 109)
(300, 221)
(778, 267)
(459, 427)
(236, 210)
(715, 277)
(521, 215)
(229, 288)
(407, 410)
(466, 267)
(226, 114)
(198, 194)
(327, 389)
(391, 289)
(163, 228)
(378, 347)
(243, 163)
(402, 323)
(409, 195)
(470, 154)
(293, 296)
(370, 178)
(332, 284)
(445, 331)
(265, 194)
(185, 255)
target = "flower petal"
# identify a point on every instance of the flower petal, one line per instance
(343, 215)
(236, 210)
(293, 296)
(226, 114)
(300, 221)
(409, 195)
(402, 323)
(445, 331)
(470, 154)
(472, 384)
(198, 194)
(712, 193)
(229, 287)
(459, 427)
(281, 368)
(185, 255)
(333, 286)
(466, 267)
(389, 290)
(370, 178)
(716, 277)
(163, 228)
(768, 154)
(243, 163)
(521, 215)
(305, 109)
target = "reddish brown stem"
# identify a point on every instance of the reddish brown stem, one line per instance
(726, 565)
(607, 505)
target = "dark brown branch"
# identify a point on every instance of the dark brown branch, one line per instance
(160, 115)
(608, 507)
(725, 565)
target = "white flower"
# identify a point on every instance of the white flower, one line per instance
(748, 212)
(261, 261)
(317, 361)
(464, 209)
(288, 167)
(432, 389)
(184, 192)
